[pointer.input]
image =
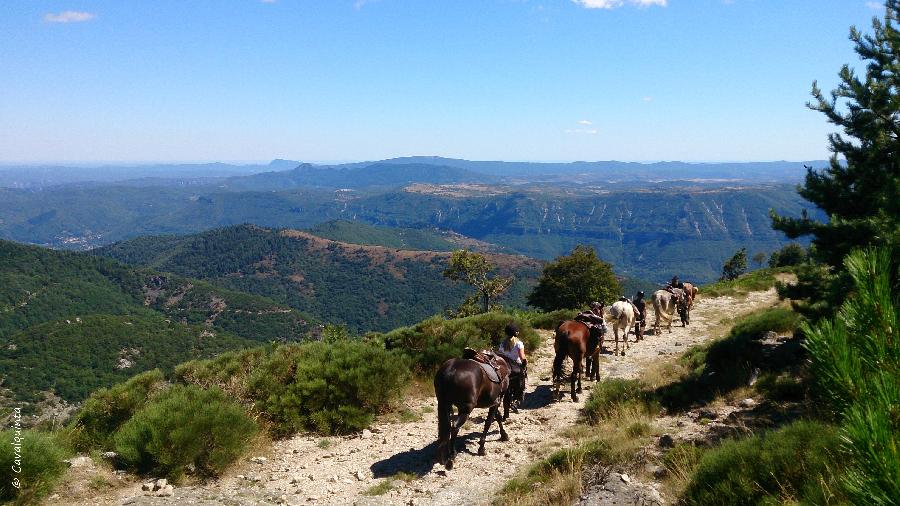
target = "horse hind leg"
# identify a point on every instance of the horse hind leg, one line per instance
(492, 413)
(460, 421)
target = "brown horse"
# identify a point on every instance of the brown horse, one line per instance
(464, 383)
(573, 340)
(690, 294)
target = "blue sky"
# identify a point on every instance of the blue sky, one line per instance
(313, 80)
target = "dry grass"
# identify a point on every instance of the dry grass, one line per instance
(559, 478)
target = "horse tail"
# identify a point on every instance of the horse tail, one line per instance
(560, 352)
(444, 413)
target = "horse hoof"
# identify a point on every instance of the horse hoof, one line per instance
(574, 398)
(449, 465)
(504, 437)
(481, 452)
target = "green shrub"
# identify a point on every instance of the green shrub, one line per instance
(728, 363)
(755, 281)
(108, 409)
(791, 254)
(431, 342)
(185, 426)
(755, 324)
(329, 388)
(39, 461)
(855, 361)
(229, 371)
(551, 320)
(797, 463)
(612, 395)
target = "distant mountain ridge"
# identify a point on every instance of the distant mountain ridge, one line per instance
(375, 175)
(281, 174)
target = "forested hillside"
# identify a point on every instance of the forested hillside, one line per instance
(364, 287)
(67, 320)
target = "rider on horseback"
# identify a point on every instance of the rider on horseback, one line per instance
(641, 311)
(593, 318)
(513, 350)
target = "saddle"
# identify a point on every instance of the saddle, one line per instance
(490, 362)
(677, 292)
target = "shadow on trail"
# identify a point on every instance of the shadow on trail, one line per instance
(421, 461)
(540, 398)
(418, 462)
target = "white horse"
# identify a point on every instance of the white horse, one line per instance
(664, 304)
(621, 315)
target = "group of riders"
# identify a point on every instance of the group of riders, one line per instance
(513, 350)
(485, 379)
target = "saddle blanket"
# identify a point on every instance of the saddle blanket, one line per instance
(490, 371)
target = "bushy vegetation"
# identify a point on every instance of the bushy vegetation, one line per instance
(330, 388)
(728, 363)
(107, 409)
(547, 321)
(790, 255)
(754, 281)
(185, 426)
(230, 372)
(431, 342)
(574, 281)
(855, 361)
(613, 395)
(30, 471)
(326, 387)
(798, 463)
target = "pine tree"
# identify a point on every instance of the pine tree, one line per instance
(860, 189)
(735, 266)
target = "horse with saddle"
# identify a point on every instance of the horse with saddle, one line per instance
(481, 379)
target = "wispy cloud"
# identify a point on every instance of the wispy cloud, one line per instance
(584, 131)
(358, 4)
(68, 17)
(875, 6)
(268, 1)
(586, 122)
(647, 99)
(612, 4)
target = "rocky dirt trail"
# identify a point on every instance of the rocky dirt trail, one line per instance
(340, 470)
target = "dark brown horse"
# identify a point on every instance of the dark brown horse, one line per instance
(690, 295)
(464, 383)
(573, 340)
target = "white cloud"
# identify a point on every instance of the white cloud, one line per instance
(647, 99)
(612, 4)
(358, 4)
(877, 6)
(585, 122)
(268, 1)
(587, 131)
(68, 17)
